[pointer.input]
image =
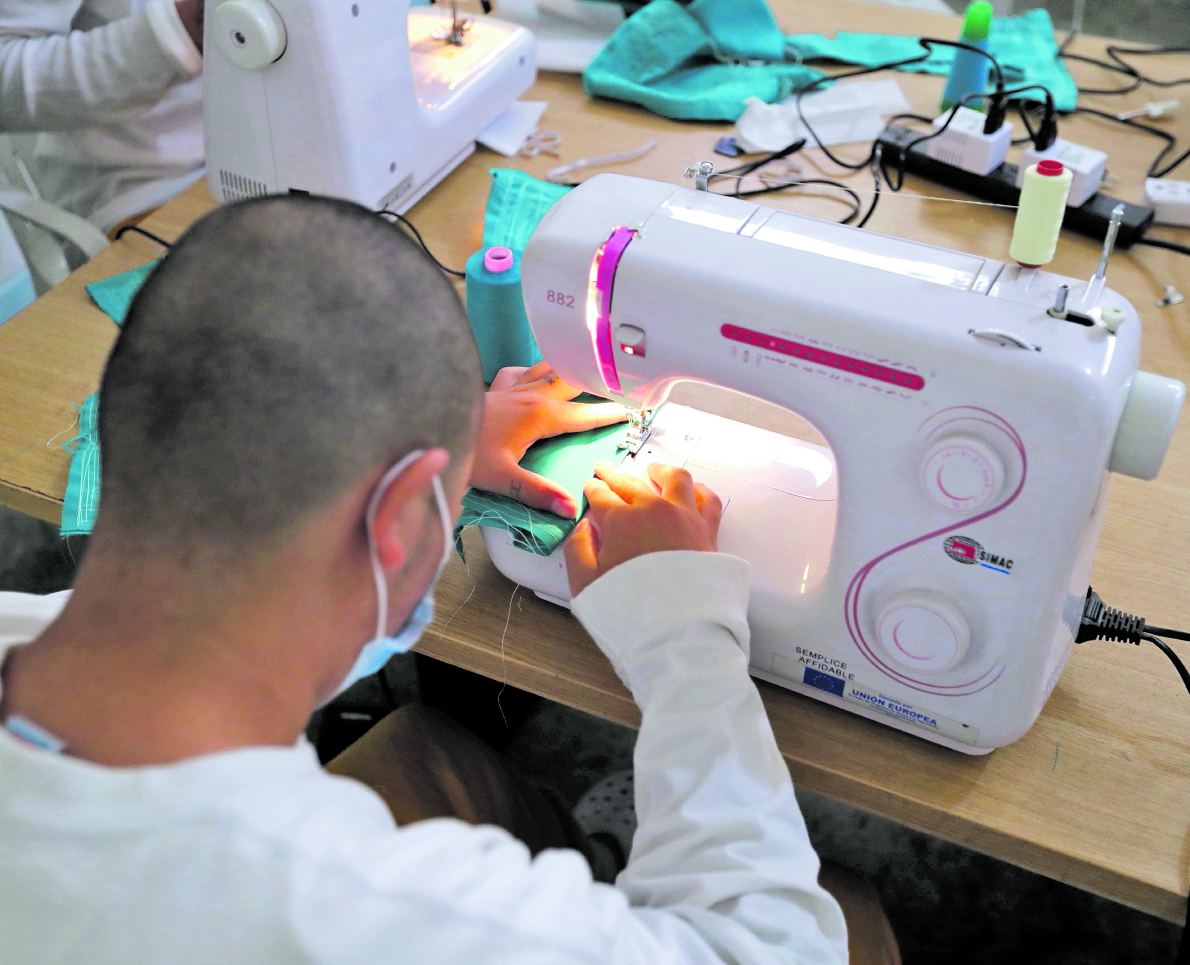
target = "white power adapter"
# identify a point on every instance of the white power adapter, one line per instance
(964, 145)
(1170, 200)
(1086, 164)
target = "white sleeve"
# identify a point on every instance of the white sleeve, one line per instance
(721, 847)
(56, 78)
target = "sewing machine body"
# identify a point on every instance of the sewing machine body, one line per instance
(363, 101)
(929, 569)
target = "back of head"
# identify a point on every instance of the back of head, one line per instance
(283, 349)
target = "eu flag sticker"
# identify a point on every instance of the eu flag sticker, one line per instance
(823, 681)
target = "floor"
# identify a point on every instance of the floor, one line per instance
(947, 904)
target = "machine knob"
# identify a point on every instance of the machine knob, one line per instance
(962, 473)
(250, 33)
(923, 632)
(1147, 425)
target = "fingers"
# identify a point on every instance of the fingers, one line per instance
(675, 483)
(578, 416)
(626, 486)
(582, 557)
(544, 380)
(710, 508)
(507, 377)
(540, 493)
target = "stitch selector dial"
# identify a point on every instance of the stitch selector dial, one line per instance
(962, 473)
(922, 632)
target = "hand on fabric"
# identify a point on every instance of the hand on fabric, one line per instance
(521, 407)
(191, 12)
(630, 518)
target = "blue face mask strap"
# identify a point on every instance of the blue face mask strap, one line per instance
(382, 487)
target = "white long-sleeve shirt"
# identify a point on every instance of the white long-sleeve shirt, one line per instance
(115, 87)
(259, 857)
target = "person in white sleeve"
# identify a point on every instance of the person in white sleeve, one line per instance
(113, 87)
(288, 421)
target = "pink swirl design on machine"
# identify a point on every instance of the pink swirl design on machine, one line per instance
(851, 601)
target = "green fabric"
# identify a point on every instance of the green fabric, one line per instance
(669, 59)
(115, 294)
(81, 501)
(82, 484)
(516, 202)
(1024, 46)
(569, 461)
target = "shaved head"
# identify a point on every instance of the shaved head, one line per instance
(283, 349)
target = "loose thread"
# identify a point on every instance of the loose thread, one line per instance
(503, 661)
(883, 194)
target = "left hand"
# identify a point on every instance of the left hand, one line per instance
(521, 407)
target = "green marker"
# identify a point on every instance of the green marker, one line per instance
(969, 73)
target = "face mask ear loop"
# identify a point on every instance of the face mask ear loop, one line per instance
(370, 526)
(448, 527)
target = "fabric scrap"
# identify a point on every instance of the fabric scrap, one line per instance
(80, 504)
(697, 63)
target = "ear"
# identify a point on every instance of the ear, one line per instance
(402, 508)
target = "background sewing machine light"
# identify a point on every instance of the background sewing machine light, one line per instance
(370, 100)
(928, 567)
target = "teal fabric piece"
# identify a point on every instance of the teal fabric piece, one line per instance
(516, 202)
(1024, 46)
(568, 460)
(81, 502)
(115, 294)
(82, 484)
(670, 59)
(744, 29)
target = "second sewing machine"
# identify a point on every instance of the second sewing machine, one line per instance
(928, 567)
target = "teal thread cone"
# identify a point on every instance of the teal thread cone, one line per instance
(497, 313)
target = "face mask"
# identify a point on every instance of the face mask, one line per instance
(376, 652)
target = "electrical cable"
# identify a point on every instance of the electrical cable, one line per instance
(1165, 632)
(141, 231)
(1181, 250)
(421, 241)
(927, 43)
(1102, 622)
(1155, 169)
(741, 171)
(1118, 65)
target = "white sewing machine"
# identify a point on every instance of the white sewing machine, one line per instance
(928, 569)
(366, 100)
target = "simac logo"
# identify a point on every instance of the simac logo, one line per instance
(963, 549)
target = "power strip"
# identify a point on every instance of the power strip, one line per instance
(1090, 218)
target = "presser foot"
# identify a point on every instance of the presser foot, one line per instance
(637, 433)
(457, 30)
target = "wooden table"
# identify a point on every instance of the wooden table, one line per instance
(1097, 794)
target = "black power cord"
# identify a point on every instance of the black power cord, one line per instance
(1155, 169)
(141, 231)
(1102, 622)
(421, 241)
(1181, 250)
(1118, 65)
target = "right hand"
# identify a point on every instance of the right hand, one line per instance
(628, 518)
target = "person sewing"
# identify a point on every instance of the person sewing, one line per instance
(113, 89)
(288, 420)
